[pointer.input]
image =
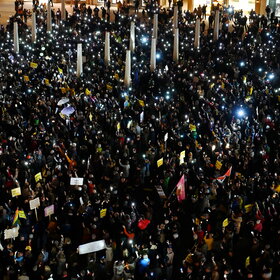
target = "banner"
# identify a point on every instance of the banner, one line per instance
(92, 247)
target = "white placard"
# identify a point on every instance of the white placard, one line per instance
(142, 117)
(165, 137)
(76, 181)
(34, 203)
(49, 210)
(11, 233)
(81, 201)
(92, 247)
(160, 191)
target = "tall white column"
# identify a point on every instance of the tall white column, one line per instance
(153, 55)
(217, 26)
(49, 18)
(63, 11)
(155, 26)
(33, 27)
(176, 45)
(79, 60)
(175, 18)
(197, 34)
(127, 74)
(107, 49)
(132, 36)
(16, 40)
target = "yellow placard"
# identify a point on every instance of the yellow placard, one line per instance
(103, 213)
(87, 92)
(160, 162)
(63, 90)
(90, 117)
(21, 214)
(248, 208)
(60, 70)
(118, 126)
(26, 78)
(192, 127)
(16, 192)
(225, 222)
(251, 90)
(218, 165)
(141, 102)
(247, 262)
(33, 65)
(47, 82)
(183, 154)
(38, 177)
(109, 87)
(277, 189)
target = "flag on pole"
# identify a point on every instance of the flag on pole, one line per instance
(180, 192)
(222, 178)
(16, 220)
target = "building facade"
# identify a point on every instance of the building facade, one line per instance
(246, 5)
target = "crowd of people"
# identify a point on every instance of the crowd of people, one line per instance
(213, 117)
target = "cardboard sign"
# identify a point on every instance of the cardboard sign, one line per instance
(11, 233)
(92, 247)
(49, 210)
(160, 162)
(76, 181)
(160, 192)
(16, 192)
(103, 213)
(38, 177)
(34, 203)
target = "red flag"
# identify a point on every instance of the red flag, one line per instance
(228, 173)
(180, 192)
(143, 223)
